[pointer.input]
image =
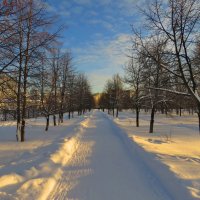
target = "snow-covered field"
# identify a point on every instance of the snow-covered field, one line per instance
(95, 157)
(175, 142)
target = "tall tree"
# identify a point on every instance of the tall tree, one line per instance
(32, 19)
(134, 78)
(177, 23)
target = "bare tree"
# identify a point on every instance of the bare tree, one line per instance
(118, 92)
(71, 93)
(133, 77)
(66, 79)
(177, 23)
(31, 18)
(83, 94)
(113, 94)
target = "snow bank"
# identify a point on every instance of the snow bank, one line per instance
(65, 152)
(39, 160)
(10, 179)
(39, 189)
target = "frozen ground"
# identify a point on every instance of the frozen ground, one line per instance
(91, 158)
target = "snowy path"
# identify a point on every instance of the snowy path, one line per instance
(103, 169)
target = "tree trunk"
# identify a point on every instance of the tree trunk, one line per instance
(117, 112)
(180, 111)
(62, 116)
(198, 113)
(18, 110)
(60, 120)
(152, 120)
(177, 111)
(54, 120)
(162, 109)
(28, 113)
(166, 111)
(19, 84)
(199, 121)
(25, 74)
(23, 116)
(137, 116)
(47, 123)
(5, 115)
(23, 131)
(14, 116)
(69, 114)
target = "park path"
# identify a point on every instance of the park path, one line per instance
(102, 168)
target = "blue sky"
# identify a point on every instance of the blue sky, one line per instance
(98, 35)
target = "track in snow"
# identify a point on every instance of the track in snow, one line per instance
(103, 169)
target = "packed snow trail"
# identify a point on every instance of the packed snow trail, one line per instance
(103, 169)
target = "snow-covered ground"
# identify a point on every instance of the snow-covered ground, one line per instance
(30, 170)
(95, 158)
(175, 143)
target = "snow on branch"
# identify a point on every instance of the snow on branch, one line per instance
(170, 91)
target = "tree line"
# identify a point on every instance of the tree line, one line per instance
(37, 77)
(163, 71)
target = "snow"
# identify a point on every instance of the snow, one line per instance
(96, 157)
(30, 170)
(103, 169)
(10, 179)
(175, 143)
(36, 188)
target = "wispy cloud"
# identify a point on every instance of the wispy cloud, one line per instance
(102, 59)
(124, 7)
(103, 23)
(112, 50)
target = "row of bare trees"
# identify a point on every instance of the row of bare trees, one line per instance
(36, 77)
(163, 69)
(142, 78)
(60, 89)
(152, 90)
(164, 62)
(165, 55)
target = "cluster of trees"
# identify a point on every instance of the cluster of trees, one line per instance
(153, 90)
(59, 88)
(164, 62)
(164, 66)
(114, 97)
(36, 77)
